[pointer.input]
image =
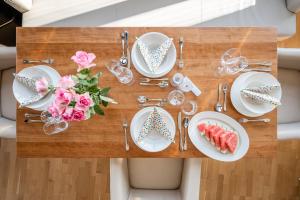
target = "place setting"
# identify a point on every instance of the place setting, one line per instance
(215, 132)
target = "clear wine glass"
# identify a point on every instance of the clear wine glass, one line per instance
(232, 62)
(123, 74)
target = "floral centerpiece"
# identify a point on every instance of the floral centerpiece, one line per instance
(77, 97)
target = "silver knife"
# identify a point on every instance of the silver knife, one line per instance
(180, 131)
(127, 49)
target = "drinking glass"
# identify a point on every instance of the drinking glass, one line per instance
(123, 74)
(232, 62)
(189, 107)
(176, 97)
(54, 126)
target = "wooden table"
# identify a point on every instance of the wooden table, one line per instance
(103, 136)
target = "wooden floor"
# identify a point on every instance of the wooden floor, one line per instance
(88, 179)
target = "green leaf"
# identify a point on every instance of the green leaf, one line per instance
(104, 91)
(82, 76)
(98, 110)
(94, 89)
(105, 103)
(72, 104)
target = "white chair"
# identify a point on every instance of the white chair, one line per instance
(289, 77)
(7, 100)
(155, 179)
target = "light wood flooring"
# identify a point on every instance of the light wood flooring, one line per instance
(88, 179)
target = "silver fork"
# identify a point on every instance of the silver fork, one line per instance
(147, 80)
(46, 61)
(125, 126)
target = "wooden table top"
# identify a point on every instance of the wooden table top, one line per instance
(102, 136)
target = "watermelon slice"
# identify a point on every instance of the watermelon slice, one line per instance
(216, 138)
(201, 127)
(223, 138)
(231, 142)
(208, 130)
(212, 132)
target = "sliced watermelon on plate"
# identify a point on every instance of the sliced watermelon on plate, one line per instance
(223, 138)
(201, 127)
(212, 132)
(208, 130)
(232, 142)
(216, 138)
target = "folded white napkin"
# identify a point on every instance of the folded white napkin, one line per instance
(154, 57)
(155, 122)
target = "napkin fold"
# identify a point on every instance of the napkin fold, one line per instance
(155, 122)
(265, 89)
(30, 84)
(154, 57)
(260, 97)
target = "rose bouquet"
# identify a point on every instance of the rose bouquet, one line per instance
(77, 97)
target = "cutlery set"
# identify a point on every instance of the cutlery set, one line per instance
(182, 136)
(222, 88)
(143, 100)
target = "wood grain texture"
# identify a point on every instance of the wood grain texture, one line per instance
(103, 136)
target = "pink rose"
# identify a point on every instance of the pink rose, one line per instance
(53, 110)
(56, 109)
(41, 85)
(63, 96)
(84, 60)
(83, 101)
(78, 115)
(68, 114)
(66, 82)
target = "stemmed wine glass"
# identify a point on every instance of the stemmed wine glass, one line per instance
(232, 62)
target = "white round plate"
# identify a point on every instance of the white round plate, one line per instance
(226, 122)
(256, 80)
(153, 40)
(38, 71)
(235, 95)
(154, 142)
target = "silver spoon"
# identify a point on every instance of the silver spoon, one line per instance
(225, 88)
(123, 59)
(218, 106)
(144, 99)
(162, 84)
(245, 120)
(185, 125)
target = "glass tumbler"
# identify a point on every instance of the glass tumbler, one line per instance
(123, 74)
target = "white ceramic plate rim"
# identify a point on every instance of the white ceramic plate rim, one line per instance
(206, 148)
(136, 119)
(55, 77)
(141, 69)
(267, 77)
(235, 96)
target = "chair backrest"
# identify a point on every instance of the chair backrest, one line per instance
(289, 58)
(155, 173)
